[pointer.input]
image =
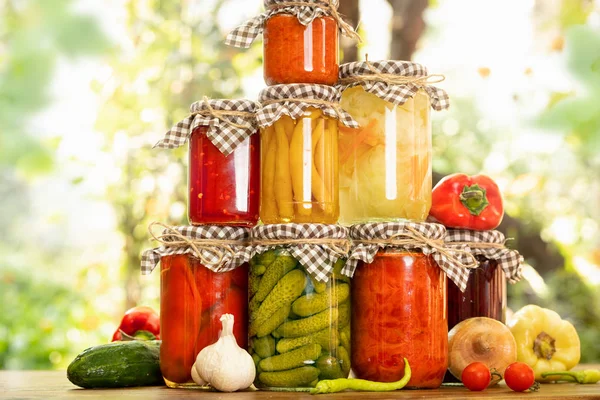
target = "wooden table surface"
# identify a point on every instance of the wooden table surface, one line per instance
(54, 385)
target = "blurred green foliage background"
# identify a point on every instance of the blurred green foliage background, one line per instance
(80, 183)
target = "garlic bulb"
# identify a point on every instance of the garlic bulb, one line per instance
(196, 378)
(224, 365)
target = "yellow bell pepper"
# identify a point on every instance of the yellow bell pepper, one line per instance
(545, 342)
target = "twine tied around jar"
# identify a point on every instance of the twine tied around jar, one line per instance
(327, 5)
(222, 114)
(335, 106)
(416, 239)
(394, 79)
(341, 247)
(173, 238)
(478, 245)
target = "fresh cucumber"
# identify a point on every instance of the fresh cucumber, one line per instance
(117, 364)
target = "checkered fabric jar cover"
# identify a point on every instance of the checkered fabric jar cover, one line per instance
(245, 34)
(224, 135)
(278, 103)
(509, 260)
(392, 92)
(233, 252)
(308, 243)
(370, 238)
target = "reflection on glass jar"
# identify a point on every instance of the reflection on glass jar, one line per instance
(485, 295)
(294, 53)
(300, 170)
(385, 165)
(223, 190)
(300, 327)
(192, 300)
(399, 310)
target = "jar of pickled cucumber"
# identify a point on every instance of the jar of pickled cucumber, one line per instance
(301, 40)
(224, 157)
(199, 283)
(385, 165)
(399, 301)
(299, 306)
(299, 149)
(485, 293)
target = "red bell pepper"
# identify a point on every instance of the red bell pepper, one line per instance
(467, 202)
(138, 321)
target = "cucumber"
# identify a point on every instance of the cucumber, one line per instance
(117, 364)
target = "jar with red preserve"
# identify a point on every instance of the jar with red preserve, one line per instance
(199, 283)
(301, 40)
(224, 161)
(399, 301)
(485, 293)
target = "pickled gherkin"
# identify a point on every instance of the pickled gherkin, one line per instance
(294, 359)
(310, 304)
(296, 329)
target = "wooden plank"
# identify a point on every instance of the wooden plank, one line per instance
(54, 384)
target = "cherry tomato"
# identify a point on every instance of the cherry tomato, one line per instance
(476, 376)
(519, 377)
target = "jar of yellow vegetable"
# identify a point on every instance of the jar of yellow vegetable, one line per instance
(385, 165)
(299, 147)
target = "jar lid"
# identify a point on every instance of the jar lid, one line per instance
(219, 248)
(393, 81)
(229, 122)
(427, 237)
(316, 246)
(491, 245)
(295, 98)
(304, 10)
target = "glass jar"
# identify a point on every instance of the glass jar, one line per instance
(295, 53)
(385, 165)
(223, 190)
(300, 327)
(399, 310)
(485, 295)
(300, 170)
(192, 300)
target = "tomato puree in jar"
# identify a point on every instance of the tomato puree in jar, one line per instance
(295, 53)
(400, 312)
(223, 190)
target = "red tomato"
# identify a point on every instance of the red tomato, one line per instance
(519, 377)
(476, 376)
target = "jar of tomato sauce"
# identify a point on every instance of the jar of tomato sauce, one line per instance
(196, 290)
(299, 307)
(485, 294)
(224, 157)
(301, 40)
(385, 165)
(299, 133)
(399, 301)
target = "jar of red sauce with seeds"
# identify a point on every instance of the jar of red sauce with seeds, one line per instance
(194, 294)
(224, 161)
(223, 190)
(297, 53)
(399, 301)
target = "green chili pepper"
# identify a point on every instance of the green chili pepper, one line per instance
(587, 376)
(337, 385)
